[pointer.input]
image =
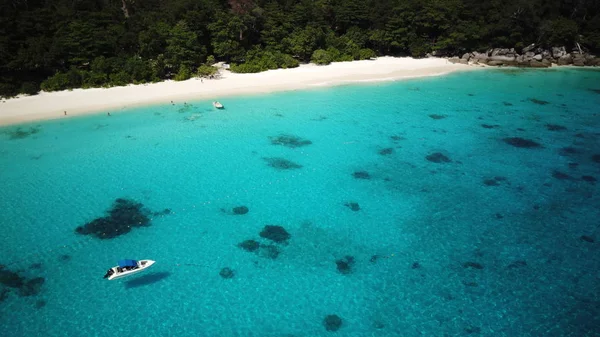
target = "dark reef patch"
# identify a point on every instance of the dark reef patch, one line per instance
(437, 117)
(40, 304)
(587, 238)
(353, 206)
(472, 329)
(36, 265)
(494, 181)
(538, 101)
(438, 157)
(32, 287)
(240, 210)
(290, 141)
(20, 133)
(332, 322)
(560, 175)
(473, 265)
(521, 142)
(397, 138)
(23, 286)
(489, 126)
(249, 245)
(121, 218)
(589, 179)
(595, 90)
(64, 258)
(275, 233)
(344, 265)
(386, 151)
(361, 175)
(555, 127)
(11, 279)
(165, 211)
(507, 103)
(596, 158)
(281, 163)
(227, 273)
(568, 150)
(517, 264)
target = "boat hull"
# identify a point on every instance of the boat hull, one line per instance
(142, 265)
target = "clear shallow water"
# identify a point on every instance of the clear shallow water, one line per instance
(489, 243)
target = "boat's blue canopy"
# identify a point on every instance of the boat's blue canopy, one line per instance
(127, 263)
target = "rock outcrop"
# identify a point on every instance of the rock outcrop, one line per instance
(530, 56)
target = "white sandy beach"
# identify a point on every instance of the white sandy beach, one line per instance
(50, 105)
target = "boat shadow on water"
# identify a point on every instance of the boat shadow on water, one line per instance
(146, 279)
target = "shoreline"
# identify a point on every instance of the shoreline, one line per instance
(78, 102)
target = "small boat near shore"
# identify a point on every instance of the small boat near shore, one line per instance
(218, 105)
(128, 267)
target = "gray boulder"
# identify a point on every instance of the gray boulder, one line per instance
(538, 57)
(528, 48)
(546, 54)
(595, 62)
(564, 60)
(537, 64)
(495, 63)
(500, 52)
(579, 61)
(480, 58)
(454, 59)
(558, 52)
(529, 55)
(466, 56)
(502, 58)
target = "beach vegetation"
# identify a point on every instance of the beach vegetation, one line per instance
(322, 57)
(30, 88)
(205, 70)
(366, 54)
(183, 74)
(258, 61)
(59, 81)
(59, 45)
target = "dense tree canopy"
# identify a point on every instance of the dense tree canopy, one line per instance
(60, 44)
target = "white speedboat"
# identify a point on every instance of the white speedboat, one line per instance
(128, 267)
(218, 105)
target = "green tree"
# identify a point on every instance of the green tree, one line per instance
(183, 48)
(321, 57)
(559, 32)
(225, 38)
(302, 42)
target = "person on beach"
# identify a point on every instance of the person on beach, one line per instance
(65, 112)
(108, 113)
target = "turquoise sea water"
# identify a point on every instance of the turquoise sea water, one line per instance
(482, 239)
